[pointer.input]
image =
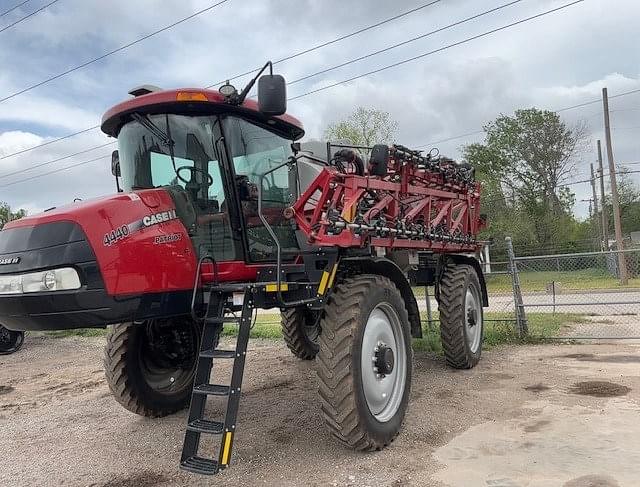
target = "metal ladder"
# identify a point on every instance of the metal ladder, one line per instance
(202, 387)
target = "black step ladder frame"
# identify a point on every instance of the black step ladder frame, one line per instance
(190, 459)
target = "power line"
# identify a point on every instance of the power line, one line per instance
(286, 58)
(54, 171)
(22, 19)
(468, 134)
(30, 168)
(332, 41)
(408, 41)
(109, 53)
(336, 40)
(499, 199)
(2, 14)
(547, 12)
(571, 183)
(68, 136)
(420, 56)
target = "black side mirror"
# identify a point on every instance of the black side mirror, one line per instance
(115, 168)
(272, 94)
(379, 160)
(115, 164)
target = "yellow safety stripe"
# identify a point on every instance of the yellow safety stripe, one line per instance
(226, 450)
(327, 279)
(323, 282)
(273, 288)
(333, 275)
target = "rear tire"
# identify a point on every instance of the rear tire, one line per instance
(364, 318)
(150, 365)
(301, 332)
(461, 316)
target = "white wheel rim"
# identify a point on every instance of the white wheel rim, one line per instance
(383, 392)
(473, 320)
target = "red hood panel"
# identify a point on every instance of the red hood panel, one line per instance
(140, 244)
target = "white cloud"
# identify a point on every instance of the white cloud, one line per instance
(16, 140)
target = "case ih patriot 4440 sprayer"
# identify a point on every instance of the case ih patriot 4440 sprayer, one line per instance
(219, 212)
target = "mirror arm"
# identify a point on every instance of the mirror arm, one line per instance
(247, 88)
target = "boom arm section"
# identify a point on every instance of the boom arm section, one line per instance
(405, 201)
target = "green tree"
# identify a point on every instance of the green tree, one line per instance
(365, 126)
(6, 215)
(523, 163)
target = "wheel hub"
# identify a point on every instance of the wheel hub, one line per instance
(384, 359)
(473, 320)
(383, 362)
(471, 317)
(168, 353)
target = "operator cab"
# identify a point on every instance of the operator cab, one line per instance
(216, 154)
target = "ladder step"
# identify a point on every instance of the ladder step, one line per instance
(206, 426)
(212, 353)
(211, 389)
(200, 465)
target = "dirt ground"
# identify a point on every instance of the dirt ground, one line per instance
(545, 415)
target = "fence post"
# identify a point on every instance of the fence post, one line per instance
(428, 303)
(521, 318)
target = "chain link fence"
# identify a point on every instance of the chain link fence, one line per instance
(563, 296)
(596, 294)
(586, 295)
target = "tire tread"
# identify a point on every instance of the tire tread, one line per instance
(452, 308)
(291, 322)
(336, 386)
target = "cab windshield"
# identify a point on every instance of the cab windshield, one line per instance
(185, 156)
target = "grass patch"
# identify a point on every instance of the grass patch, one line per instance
(498, 330)
(77, 332)
(263, 328)
(578, 279)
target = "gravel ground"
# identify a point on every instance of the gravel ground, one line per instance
(546, 415)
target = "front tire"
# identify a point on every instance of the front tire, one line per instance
(364, 362)
(461, 316)
(150, 365)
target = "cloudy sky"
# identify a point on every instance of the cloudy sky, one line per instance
(552, 62)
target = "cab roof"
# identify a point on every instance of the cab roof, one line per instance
(196, 101)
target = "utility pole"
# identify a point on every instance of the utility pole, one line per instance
(595, 202)
(622, 264)
(603, 215)
(590, 201)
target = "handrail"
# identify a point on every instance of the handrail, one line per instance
(273, 235)
(196, 284)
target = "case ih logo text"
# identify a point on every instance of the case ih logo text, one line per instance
(9, 261)
(162, 217)
(115, 236)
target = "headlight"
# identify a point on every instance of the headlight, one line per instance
(10, 285)
(52, 280)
